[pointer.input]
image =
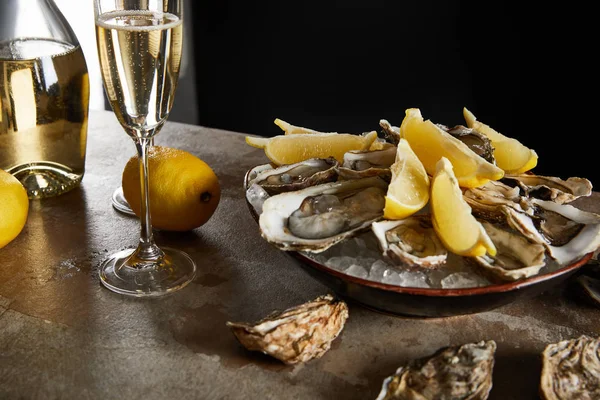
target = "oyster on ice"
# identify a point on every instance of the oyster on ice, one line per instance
(479, 143)
(516, 256)
(296, 176)
(452, 373)
(571, 370)
(567, 232)
(362, 164)
(486, 201)
(410, 242)
(316, 218)
(549, 187)
(298, 334)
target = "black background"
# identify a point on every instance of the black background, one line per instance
(342, 66)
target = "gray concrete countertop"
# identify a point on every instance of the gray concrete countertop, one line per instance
(64, 336)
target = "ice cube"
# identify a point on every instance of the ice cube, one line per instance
(340, 263)
(377, 270)
(357, 270)
(461, 280)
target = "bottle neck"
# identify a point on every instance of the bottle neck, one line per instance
(40, 19)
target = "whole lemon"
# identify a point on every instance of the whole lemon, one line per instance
(14, 207)
(184, 191)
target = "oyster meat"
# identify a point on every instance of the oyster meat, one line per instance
(362, 164)
(567, 232)
(571, 370)
(453, 373)
(410, 242)
(298, 334)
(516, 256)
(549, 187)
(316, 218)
(486, 201)
(477, 142)
(296, 176)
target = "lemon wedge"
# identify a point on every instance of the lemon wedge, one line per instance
(408, 191)
(289, 149)
(430, 143)
(290, 129)
(510, 154)
(452, 220)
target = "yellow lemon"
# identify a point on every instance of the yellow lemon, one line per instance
(452, 220)
(290, 149)
(408, 191)
(430, 143)
(14, 207)
(510, 154)
(184, 191)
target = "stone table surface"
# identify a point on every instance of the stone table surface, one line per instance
(64, 336)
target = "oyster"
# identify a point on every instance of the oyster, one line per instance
(296, 176)
(477, 142)
(298, 334)
(392, 133)
(486, 201)
(410, 242)
(362, 164)
(550, 188)
(316, 218)
(567, 232)
(571, 370)
(457, 372)
(516, 256)
(590, 287)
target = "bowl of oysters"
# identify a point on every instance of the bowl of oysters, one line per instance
(420, 219)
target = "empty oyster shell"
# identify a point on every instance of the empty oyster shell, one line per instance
(296, 176)
(298, 334)
(549, 187)
(410, 242)
(316, 218)
(571, 370)
(362, 164)
(516, 256)
(457, 372)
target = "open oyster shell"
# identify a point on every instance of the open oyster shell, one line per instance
(362, 164)
(549, 187)
(452, 373)
(316, 218)
(477, 142)
(298, 334)
(567, 232)
(516, 257)
(410, 242)
(571, 370)
(392, 133)
(296, 176)
(486, 201)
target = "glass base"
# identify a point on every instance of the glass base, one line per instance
(119, 202)
(173, 272)
(45, 179)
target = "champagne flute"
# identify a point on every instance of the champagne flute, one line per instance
(139, 46)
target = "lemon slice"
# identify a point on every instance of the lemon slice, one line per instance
(290, 149)
(408, 191)
(430, 143)
(452, 220)
(512, 156)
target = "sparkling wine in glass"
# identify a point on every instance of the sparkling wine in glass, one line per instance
(139, 46)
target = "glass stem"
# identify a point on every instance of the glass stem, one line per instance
(147, 250)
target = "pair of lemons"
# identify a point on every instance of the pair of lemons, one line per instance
(184, 193)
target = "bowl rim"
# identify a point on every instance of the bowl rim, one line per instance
(430, 292)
